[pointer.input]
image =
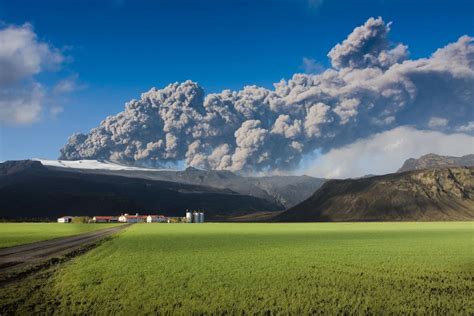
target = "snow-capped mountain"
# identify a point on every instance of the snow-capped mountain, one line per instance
(92, 164)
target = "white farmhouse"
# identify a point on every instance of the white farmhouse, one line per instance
(156, 219)
(65, 219)
(132, 218)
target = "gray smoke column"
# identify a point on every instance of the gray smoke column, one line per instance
(372, 87)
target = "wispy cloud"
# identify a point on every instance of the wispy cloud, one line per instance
(466, 128)
(60, 93)
(311, 66)
(314, 4)
(435, 122)
(68, 85)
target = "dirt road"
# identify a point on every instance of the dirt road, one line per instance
(13, 258)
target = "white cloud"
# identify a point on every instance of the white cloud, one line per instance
(385, 152)
(22, 57)
(67, 85)
(466, 128)
(437, 122)
(311, 66)
(21, 105)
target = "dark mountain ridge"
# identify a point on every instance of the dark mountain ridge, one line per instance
(285, 191)
(30, 190)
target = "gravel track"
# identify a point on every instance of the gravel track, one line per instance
(35, 253)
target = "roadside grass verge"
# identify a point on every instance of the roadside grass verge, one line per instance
(13, 234)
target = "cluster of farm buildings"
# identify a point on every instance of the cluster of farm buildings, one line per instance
(191, 217)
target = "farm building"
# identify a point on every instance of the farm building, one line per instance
(105, 219)
(137, 218)
(194, 217)
(65, 219)
(156, 219)
(125, 218)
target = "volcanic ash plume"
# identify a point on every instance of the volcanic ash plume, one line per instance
(371, 87)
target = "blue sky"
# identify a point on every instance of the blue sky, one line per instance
(118, 49)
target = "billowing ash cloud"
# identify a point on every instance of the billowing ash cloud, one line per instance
(372, 87)
(367, 46)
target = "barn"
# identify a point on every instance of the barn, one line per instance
(132, 218)
(105, 219)
(65, 219)
(156, 219)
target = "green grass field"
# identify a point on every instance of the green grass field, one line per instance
(12, 234)
(379, 268)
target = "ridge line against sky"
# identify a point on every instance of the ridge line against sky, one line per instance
(266, 130)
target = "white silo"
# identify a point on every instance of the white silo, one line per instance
(195, 217)
(201, 217)
(189, 216)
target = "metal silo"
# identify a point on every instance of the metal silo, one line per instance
(201, 217)
(189, 216)
(195, 217)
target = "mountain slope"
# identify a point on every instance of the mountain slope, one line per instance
(30, 190)
(428, 195)
(431, 161)
(286, 191)
(91, 165)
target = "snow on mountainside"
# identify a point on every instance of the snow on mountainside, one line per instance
(92, 164)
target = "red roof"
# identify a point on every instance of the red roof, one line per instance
(105, 217)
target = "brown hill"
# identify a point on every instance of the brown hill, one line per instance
(431, 161)
(425, 195)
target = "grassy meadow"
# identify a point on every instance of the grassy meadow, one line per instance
(13, 234)
(215, 268)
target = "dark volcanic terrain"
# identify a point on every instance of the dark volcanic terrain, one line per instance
(424, 195)
(29, 190)
(285, 191)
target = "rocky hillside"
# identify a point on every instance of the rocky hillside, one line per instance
(424, 195)
(431, 161)
(30, 190)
